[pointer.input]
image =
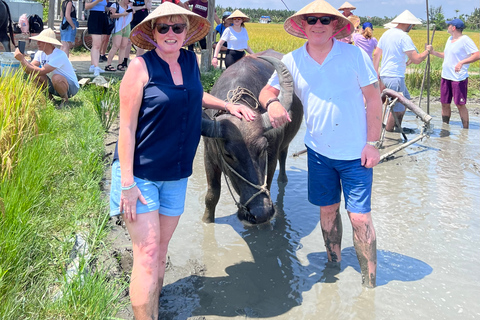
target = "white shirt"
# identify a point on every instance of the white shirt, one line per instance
(332, 98)
(235, 40)
(123, 21)
(454, 53)
(59, 60)
(394, 43)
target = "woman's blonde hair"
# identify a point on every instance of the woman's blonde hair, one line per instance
(367, 33)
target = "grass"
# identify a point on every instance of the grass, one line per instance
(53, 193)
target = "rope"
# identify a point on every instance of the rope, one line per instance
(236, 95)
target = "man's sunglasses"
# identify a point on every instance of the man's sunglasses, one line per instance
(177, 28)
(312, 20)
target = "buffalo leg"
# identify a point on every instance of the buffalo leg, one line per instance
(214, 175)
(282, 159)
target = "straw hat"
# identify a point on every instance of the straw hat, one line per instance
(48, 36)
(355, 20)
(198, 29)
(346, 5)
(406, 17)
(239, 14)
(293, 24)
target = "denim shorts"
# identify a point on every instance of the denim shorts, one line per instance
(168, 197)
(327, 177)
(397, 84)
(68, 35)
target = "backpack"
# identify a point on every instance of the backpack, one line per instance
(110, 19)
(23, 23)
(35, 24)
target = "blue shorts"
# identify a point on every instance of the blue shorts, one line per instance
(327, 177)
(168, 197)
(68, 35)
(397, 84)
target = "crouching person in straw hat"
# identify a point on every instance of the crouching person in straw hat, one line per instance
(161, 99)
(396, 48)
(48, 59)
(331, 78)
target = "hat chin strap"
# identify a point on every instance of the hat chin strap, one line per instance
(346, 26)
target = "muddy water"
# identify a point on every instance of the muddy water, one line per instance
(426, 215)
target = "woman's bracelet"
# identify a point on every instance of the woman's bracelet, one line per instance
(129, 187)
(225, 106)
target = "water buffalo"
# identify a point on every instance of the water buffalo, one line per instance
(247, 152)
(6, 26)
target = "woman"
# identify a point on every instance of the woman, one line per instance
(69, 16)
(220, 29)
(365, 40)
(120, 33)
(161, 99)
(237, 38)
(98, 27)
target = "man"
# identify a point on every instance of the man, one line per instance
(347, 8)
(459, 52)
(200, 7)
(331, 78)
(395, 48)
(48, 59)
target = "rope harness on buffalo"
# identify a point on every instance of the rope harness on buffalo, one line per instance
(261, 188)
(236, 95)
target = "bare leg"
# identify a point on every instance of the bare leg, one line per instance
(60, 84)
(391, 120)
(446, 112)
(150, 235)
(462, 109)
(65, 47)
(116, 42)
(365, 243)
(95, 52)
(331, 223)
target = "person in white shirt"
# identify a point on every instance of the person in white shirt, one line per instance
(395, 47)
(236, 37)
(48, 59)
(331, 78)
(121, 33)
(459, 52)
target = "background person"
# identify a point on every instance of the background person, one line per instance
(161, 99)
(120, 34)
(395, 48)
(365, 40)
(200, 7)
(48, 59)
(459, 52)
(98, 28)
(68, 35)
(237, 38)
(347, 8)
(342, 134)
(219, 29)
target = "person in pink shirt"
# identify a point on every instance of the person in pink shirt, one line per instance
(366, 40)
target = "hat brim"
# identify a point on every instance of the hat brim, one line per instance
(198, 26)
(239, 14)
(293, 24)
(46, 39)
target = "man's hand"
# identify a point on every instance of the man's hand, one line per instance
(458, 67)
(370, 156)
(278, 115)
(18, 55)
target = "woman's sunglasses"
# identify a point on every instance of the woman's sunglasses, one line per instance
(311, 20)
(177, 28)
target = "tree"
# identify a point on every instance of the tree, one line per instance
(437, 17)
(473, 20)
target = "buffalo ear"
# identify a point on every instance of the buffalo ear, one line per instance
(211, 128)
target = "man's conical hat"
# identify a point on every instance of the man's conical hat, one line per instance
(406, 17)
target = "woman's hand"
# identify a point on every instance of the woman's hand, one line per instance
(240, 110)
(215, 62)
(128, 203)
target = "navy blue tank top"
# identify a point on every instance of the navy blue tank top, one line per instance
(169, 120)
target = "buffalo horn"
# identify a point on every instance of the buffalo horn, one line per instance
(286, 85)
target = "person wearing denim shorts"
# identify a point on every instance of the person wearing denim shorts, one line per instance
(68, 35)
(331, 78)
(394, 48)
(459, 52)
(161, 99)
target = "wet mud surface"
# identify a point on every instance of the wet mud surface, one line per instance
(425, 209)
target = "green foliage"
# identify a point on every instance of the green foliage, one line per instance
(473, 21)
(106, 103)
(208, 79)
(437, 18)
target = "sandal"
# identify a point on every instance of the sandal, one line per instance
(121, 67)
(109, 68)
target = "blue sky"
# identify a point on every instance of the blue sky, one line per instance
(379, 8)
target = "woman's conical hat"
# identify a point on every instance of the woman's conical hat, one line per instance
(239, 14)
(293, 24)
(347, 5)
(198, 26)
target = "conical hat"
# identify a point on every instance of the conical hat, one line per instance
(293, 24)
(406, 17)
(239, 14)
(390, 25)
(198, 26)
(346, 5)
(355, 20)
(47, 35)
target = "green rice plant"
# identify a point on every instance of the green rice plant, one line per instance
(106, 103)
(19, 99)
